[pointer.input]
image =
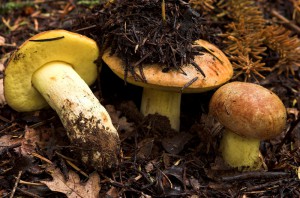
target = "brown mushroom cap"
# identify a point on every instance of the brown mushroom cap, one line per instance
(216, 67)
(78, 51)
(249, 110)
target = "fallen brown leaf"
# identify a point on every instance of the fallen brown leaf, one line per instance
(145, 148)
(113, 192)
(120, 122)
(8, 141)
(73, 187)
(176, 143)
(27, 144)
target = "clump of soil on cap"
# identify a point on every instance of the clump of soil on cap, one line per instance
(138, 32)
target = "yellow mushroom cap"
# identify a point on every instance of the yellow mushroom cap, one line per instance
(249, 110)
(55, 45)
(216, 67)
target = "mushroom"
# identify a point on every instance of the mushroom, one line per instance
(162, 91)
(56, 67)
(250, 113)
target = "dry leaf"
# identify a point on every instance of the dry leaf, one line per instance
(149, 167)
(7, 141)
(175, 144)
(32, 138)
(119, 122)
(113, 192)
(194, 183)
(28, 143)
(145, 147)
(73, 187)
(24, 148)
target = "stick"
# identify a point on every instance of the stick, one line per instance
(286, 21)
(16, 185)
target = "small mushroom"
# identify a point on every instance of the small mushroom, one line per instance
(250, 113)
(55, 67)
(162, 91)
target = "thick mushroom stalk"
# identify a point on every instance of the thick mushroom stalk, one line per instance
(162, 102)
(241, 152)
(86, 121)
(250, 113)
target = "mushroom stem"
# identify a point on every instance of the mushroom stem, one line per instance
(86, 121)
(240, 152)
(164, 103)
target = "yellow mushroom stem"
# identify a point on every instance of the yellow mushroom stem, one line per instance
(164, 103)
(240, 152)
(86, 121)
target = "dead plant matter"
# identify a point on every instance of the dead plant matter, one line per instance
(287, 46)
(140, 32)
(206, 5)
(243, 38)
(256, 44)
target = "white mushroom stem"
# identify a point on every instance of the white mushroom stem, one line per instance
(86, 121)
(164, 103)
(240, 152)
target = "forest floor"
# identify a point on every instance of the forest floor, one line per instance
(37, 160)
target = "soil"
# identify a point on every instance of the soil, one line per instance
(156, 161)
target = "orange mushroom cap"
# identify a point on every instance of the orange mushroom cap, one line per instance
(214, 64)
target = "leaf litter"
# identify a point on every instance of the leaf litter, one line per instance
(147, 168)
(73, 187)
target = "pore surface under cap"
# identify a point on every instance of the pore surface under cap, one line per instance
(54, 45)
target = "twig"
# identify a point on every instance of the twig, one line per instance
(286, 21)
(42, 122)
(4, 119)
(167, 178)
(255, 175)
(270, 184)
(9, 147)
(41, 157)
(144, 175)
(30, 183)
(188, 84)
(77, 168)
(9, 127)
(86, 28)
(5, 171)
(16, 185)
(184, 178)
(47, 39)
(65, 157)
(28, 193)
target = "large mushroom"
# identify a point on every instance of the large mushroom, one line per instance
(250, 113)
(162, 91)
(56, 68)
